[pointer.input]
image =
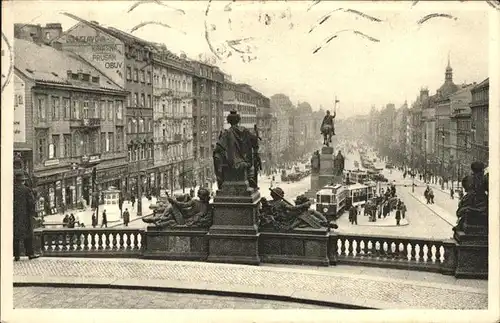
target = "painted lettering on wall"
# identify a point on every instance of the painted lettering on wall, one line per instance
(19, 110)
(86, 39)
(113, 65)
(104, 57)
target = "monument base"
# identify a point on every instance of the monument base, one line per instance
(471, 255)
(177, 243)
(297, 247)
(233, 236)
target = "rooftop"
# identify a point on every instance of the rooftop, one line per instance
(44, 63)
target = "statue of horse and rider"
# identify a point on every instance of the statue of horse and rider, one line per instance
(328, 128)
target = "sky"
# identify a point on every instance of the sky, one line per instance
(358, 71)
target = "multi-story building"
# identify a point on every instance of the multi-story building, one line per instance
(208, 118)
(72, 117)
(399, 134)
(479, 121)
(173, 119)
(239, 97)
(460, 135)
(264, 126)
(439, 133)
(280, 108)
(126, 60)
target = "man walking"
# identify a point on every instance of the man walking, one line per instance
(126, 217)
(24, 210)
(104, 219)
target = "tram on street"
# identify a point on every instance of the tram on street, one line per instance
(356, 176)
(332, 200)
(357, 194)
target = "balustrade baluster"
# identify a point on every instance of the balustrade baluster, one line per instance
(121, 241)
(402, 253)
(59, 242)
(93, 241)
(392, 250)
(71, 241)
(350, 248)
(114, 234)
(427, 254)
(413, 252)
(85, 241)
(128, 235)
(360, 247)
(420, 252)
(136, 241)
(376, 249)
(107, 241)
(370, 247)
(99, 241)
(439, 254)
(385, 250)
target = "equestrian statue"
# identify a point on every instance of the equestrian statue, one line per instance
(328, 128)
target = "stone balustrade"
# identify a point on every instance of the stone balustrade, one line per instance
(346, 249)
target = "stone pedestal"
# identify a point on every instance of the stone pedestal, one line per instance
(298, 247)
(233, 236)
(326, 175)
(471, 254)
(178, 243)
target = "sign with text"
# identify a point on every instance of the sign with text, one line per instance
(19, 110)
(100, 49)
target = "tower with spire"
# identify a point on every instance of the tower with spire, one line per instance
(449, 71)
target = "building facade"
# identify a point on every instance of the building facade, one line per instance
(241, 98)
(74, 120)
(280, 109)
(460, 135)
(173, 119)
(208, 119)
(125, 59)
(480, 121)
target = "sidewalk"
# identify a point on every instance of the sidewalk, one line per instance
(339, 286)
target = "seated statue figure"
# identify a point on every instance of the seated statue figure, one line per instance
(473, 206)
(283, 216)
(185, 211)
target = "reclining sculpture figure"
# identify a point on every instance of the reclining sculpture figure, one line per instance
(190, 213)
(281, 215)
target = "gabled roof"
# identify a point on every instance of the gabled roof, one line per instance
(46, 64)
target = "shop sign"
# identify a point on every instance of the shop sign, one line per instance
(51, 162)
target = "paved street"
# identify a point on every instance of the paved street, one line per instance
(108, 298)
(362, 286)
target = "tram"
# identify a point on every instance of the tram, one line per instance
(332, 200)
(357, 194)
(355, 176)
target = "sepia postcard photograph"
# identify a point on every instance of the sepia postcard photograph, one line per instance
(179, 159)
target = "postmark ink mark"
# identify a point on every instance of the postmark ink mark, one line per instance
(7, 61)
(435, 15)
(158, 2)
(335, 35)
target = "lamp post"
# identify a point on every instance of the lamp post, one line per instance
(442, 158)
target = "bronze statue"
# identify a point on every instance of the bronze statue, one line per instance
(184, 211)
(328, 128)
(281, 215)
(315, 162)
(339, 164)
(236, 151)
(473, 206)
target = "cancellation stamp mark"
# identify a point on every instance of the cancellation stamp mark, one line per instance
(7, 61)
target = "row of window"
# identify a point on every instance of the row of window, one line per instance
(140, 125)
(174, 107)
(242, 109)
(172, 83)
(67, 109)
(78, 144)
(168, 153)
(140, 152)
(136, 99)
(139, 75)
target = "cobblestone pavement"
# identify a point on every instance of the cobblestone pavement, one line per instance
(407, 291)
(107, 298)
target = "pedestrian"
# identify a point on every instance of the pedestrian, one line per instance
(65, 221)
(23, 211)
(94, 220)
(403, 209)
(426, 194)
(71, 221)
(398, 216)
(126, 217)
(354, 218)
(431, 196)
(104, 219)
(452, 193)
(132, 200)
